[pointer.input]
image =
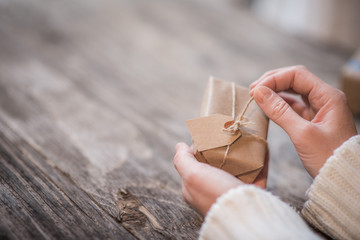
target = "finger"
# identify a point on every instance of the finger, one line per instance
(299, 79)
(277, 109)
(182, 147)
(303, 108)
(266, 74)
(290, 91)
(298, 106)
(295, 78)
(292, 78)
(184, 159)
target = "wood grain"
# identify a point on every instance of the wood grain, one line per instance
(94, 96)
(41, 205)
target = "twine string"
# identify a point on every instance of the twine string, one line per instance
(241, 121)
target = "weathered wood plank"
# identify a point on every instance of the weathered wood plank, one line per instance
(155, 196)
(98, 93)
(39, 205)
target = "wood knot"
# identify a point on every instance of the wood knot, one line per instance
(133, 212)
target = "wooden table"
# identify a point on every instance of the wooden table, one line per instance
(94, 95)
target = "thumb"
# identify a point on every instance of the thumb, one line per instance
(277, 109)
(184, 159)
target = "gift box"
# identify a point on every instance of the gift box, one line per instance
(351, 82)
(231, 131)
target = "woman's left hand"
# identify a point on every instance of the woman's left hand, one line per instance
(202, 184)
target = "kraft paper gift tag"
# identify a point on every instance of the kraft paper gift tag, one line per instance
(240, 152)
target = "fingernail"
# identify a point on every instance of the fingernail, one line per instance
(262, 94)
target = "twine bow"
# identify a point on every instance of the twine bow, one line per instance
(242, 121)
(236, 124)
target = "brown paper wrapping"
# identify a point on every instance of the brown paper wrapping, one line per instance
(246, 154)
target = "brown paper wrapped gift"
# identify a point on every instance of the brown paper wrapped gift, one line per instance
(241, 152)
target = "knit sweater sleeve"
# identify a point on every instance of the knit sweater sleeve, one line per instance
(333, 204)
(248, 212)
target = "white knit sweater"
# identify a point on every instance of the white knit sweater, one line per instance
(333, 207)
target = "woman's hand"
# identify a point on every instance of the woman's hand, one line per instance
(202, 184)
(317, 125)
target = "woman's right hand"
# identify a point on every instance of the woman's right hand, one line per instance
(317, 125)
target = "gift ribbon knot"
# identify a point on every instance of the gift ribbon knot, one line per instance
(234, 126)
